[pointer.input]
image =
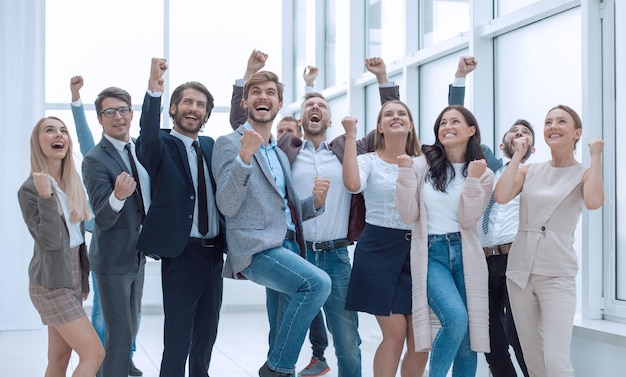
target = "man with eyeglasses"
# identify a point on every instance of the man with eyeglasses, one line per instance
(119, 191)
(86, 143)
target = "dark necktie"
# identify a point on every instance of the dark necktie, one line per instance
(486, 214)
(133, 169)
(203, 215)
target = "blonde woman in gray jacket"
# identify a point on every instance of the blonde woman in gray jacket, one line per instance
(54, 207)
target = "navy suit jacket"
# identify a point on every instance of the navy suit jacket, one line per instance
(168, 223)
(113, 245)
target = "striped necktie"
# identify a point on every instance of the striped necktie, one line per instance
(486, 214)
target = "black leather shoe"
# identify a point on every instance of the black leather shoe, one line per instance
(265, 371)
(133, 370)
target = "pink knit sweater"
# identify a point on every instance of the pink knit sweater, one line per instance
(474, 198)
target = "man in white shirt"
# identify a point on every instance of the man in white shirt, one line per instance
(497, 229)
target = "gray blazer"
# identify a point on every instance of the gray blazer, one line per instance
(113, 246)
(50, 266)
(253, 207)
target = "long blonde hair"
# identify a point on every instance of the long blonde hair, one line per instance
(74, 189)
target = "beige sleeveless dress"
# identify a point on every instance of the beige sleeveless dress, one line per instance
(551, 202)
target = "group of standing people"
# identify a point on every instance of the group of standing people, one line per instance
(434, 231)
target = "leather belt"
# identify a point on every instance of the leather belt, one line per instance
(328, 245)
(216, 242)
(497, 250)
(290, 235)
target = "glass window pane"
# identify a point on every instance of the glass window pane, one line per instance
(305, 44)
(372, 107)
(443, 19)
(109, 45)
(527, 88)
(337, 42)
(505, 7)
(620, 153)
(386, 29)
(339, 109)
(212, 44)
(434, 80)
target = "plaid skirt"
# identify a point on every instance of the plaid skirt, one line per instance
(59, 306)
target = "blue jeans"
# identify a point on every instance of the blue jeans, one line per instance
(343, 324)
(317, 335)
(97, 320)
(446, 297)
(285, 273)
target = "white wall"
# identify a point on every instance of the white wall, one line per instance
(21, 106)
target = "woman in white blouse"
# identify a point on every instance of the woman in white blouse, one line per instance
(380, 283)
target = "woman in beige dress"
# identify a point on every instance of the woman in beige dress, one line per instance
(54, 207)
(542, 266)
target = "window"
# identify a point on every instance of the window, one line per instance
(111, 45)
(385, 24)
(443, 19)
(505, 7)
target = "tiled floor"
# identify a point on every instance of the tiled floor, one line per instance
(240, 349)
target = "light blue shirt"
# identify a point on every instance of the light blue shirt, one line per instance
(273, 162)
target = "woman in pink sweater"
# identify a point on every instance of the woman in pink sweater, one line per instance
(443, 194)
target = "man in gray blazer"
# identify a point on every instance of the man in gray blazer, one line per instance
(264, 223)
(119, 190)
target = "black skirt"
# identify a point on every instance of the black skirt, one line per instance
(380, 282)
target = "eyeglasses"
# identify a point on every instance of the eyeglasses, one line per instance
(110, 113)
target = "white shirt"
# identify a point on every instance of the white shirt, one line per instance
(74, 229)
(443, 207)
(322, 162)
(503, 218)
(378, 184)
(192, 159)
(144, 178)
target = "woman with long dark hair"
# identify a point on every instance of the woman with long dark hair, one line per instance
(443, 194)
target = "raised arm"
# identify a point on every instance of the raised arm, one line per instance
(593, 187)
(149, 148)
(351, 177)
(309, 75)
(512, 180)
(456, 91)
(238, 115)
(387, 90)
(85, 138)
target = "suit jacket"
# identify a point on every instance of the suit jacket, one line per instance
(253, 207)
(50, 266)
(168, 222)
(114, 241)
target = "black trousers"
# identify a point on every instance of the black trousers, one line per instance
(192, 297)
(502, 332)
